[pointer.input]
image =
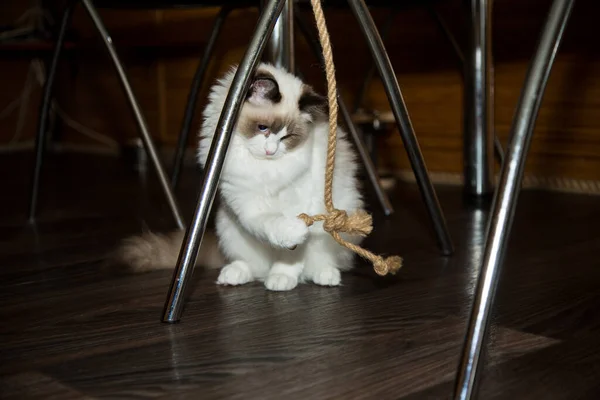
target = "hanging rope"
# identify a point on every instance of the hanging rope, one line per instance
(338, 221)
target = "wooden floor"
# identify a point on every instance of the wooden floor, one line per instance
(72, 328)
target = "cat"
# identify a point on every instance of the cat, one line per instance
(274, 171)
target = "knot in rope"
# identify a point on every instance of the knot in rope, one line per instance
(336, 221)
(384, 266)
(360, 223)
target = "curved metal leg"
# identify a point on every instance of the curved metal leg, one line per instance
(280, 50)
(40, 139)
(498, 150)
(386, 205)
(190, 107)
(362, 92)
(505, 199)
(145, 134)
(384, 66)
(478, 104)
(366, 159)
(216, 158)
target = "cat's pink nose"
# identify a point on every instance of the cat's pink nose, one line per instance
(271, 148)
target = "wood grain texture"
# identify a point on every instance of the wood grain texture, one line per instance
(74, 327)
(36, 386)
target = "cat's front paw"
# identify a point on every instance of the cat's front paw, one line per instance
(288, 233)
(236, 273)
(323, 276)
(329, 276)
(280, 282)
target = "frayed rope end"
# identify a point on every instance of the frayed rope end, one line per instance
(389, 265)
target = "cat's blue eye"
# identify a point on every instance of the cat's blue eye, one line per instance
(263, 128)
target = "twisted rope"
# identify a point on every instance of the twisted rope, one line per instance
(338, 221)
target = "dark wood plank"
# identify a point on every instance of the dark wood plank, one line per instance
(36, 386)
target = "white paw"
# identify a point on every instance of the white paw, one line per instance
(288, 233)
(236, 273)
(280, 282)
(327, 277)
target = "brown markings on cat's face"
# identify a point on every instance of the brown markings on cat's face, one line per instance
(297, 133)
(313, 104)
(253, 124)
(270, 116)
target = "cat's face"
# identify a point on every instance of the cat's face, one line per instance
(278, 114)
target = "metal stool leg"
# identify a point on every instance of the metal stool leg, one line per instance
(478, 104)
(216, 158)
(145, 134)
(40, 140)
(498, 150)
(384, 201)
(345, 114)
(362, 92)
(505, 199)
(190, 108)
(280, 50)
(384, 66)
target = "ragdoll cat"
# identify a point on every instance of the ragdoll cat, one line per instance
(274, 171)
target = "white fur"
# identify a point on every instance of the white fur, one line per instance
(262, 196)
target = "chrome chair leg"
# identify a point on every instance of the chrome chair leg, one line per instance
(362, 92)
(190, 108)
(478, 103)
(498, 150)
(280, 49)
(384, 201)
(506, 196)
(384, 66)
(41, 139)
(145, 134)
(216, 158)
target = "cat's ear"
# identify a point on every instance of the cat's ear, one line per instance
(263, 89)
(313, 104)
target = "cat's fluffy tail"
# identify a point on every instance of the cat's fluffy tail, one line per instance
(153, 251)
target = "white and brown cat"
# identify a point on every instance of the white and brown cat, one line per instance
(274, 171)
